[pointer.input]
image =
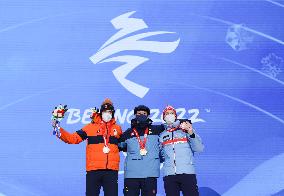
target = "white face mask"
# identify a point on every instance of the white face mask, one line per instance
(170, 118)
(106, 116)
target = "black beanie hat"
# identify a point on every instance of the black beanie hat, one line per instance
(107, 105)
(141, 108)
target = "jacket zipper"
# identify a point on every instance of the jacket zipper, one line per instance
(107, 153)
(175, 165)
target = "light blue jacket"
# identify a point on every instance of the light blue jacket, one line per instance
(136, 165)
(177, 150)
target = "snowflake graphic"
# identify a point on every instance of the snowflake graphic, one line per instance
(272, 65)
(238, 37)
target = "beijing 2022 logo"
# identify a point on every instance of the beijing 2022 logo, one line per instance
(120, 42)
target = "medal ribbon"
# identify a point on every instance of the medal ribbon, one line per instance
(175, 128)
(106, 137)
(172, 129)
(141, 144)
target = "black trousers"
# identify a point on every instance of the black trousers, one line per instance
(132, 186)
(186, 183)
(108, 179)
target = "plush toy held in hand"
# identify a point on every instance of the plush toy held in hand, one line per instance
(57, 116)
(59, 111)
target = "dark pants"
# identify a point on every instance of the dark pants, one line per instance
(132, 186)
(102, 178)
(186, 183)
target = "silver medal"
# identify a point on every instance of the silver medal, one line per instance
(143, 151)
(106, 149)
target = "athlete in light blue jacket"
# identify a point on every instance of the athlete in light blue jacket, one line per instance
(178, 143)
(142, 164)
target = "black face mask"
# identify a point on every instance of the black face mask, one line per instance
(141, 118)
(140, 121)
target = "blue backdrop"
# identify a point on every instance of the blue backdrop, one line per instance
(219, 62)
